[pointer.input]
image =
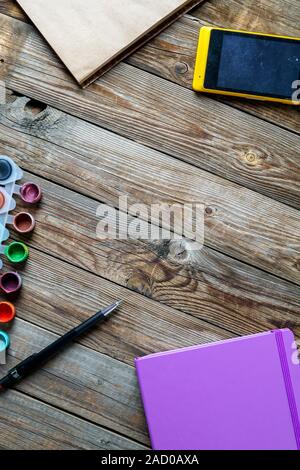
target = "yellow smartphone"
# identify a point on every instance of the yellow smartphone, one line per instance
(251, 65)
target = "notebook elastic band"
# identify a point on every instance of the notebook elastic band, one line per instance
(288, 386)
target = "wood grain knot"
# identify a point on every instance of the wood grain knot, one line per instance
(178, 250)
(211, 211)
(254, 158)
(32, 114)
(34, 107)
(181, 68)
(184, 252)
(251, 158)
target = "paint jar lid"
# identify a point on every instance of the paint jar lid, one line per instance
(7, 312)
(16, 252)
(5, 169)
(10, 282)
(4, 341)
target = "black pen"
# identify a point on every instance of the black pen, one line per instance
(34, 362)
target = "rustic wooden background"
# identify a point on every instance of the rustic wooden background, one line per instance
(141, 131)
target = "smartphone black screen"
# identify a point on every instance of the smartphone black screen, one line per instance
(253, 64)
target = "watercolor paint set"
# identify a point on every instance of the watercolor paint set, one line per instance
(15, 252)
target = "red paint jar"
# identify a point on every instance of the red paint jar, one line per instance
(7, 312)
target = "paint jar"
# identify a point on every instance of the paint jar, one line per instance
(9, 171)
(2, 199)
(7, 203)
(5, 170)
(31, 193)
(4, 344)
(23, 222)
(4, 341)
(7, 312)
(16, 252)
(10, 282)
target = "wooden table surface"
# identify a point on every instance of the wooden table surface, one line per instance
(141, 131)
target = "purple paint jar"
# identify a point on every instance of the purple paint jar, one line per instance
(10, 282)
(31, 193)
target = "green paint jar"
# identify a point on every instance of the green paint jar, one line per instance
(16, 252)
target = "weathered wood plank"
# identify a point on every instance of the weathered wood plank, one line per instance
(287, 306)
(28, 424)
(270, 16)
(207, 285)
(159, 114)
(172, 54)
(99, 164)
(65, 295)
(80, 381)
(11, 8)
(99, 388)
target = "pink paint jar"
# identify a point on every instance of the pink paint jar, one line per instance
(31, 193)
(24, 222)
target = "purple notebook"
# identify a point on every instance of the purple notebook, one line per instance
(242, 393)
